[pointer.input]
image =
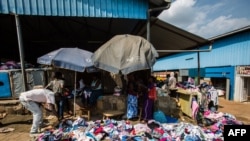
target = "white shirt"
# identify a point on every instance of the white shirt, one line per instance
(39, 95)
(94, 83)
(82, 85)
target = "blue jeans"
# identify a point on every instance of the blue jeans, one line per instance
(60, 102)
(94, 96)
(36, 111)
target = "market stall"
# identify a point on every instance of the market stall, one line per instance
(13, 84)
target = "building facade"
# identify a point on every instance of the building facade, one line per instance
(226, 65)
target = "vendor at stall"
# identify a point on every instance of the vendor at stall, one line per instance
(96, 89)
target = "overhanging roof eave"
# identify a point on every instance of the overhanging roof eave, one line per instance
(165, 36)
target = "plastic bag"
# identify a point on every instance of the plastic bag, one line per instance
(160, 117)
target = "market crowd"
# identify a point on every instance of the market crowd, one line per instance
(140, 93)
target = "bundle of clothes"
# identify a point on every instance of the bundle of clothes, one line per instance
(114, 130)
(8, 65)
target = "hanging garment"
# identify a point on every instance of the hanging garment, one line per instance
(214, 95)
(194, 107)
(132, 109)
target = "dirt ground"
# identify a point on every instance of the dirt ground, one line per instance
(22, 123)
(241, 110)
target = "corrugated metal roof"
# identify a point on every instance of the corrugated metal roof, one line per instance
(232, 50)
(55, 31)
(135, 9)
(231, 33)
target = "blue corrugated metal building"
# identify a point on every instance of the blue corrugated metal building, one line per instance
(47, 25)
(135, 9)
(31, 28)
(230, 52)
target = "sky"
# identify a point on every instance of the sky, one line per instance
(208, 18)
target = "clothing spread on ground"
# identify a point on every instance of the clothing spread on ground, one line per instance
(153, 130)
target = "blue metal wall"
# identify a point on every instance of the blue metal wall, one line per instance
(134, 9)
(194, 72)
(178, 61)
(222, 72)
(5, 90)
(229, 51)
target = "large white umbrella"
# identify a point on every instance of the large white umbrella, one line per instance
(125, 54)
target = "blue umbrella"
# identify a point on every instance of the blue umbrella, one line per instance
(74, 59)
(68, 58)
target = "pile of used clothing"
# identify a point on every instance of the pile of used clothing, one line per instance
(8, 65)
(113, 130)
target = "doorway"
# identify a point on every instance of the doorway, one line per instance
(246, 89)
(221, 85)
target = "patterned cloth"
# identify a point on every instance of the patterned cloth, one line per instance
(132, 109)
(112, 130)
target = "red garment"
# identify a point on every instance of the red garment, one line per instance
(152, 93)
(159, 130)
(98, 130)
(133, 132)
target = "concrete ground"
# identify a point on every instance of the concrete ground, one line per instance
(22, 123)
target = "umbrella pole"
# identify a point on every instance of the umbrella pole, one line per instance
(75, 96)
